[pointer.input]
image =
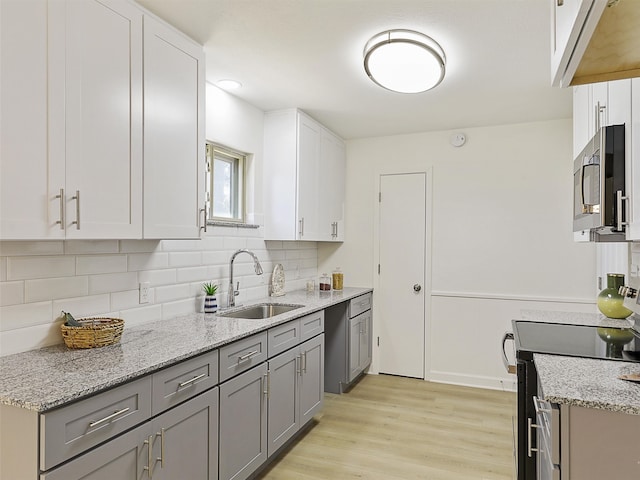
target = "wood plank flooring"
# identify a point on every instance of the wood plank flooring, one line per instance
(398, 428)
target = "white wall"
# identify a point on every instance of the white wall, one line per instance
(501, 236)
(97, 278)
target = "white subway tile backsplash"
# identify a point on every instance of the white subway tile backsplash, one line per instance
(172, 292)
(141, 315)
(23, 268)
(181, 245)
(15, 248)
(113, 282)
(125, 300)
(147, 261)
(185, 259)
(181, 307)
(11, 293)
(82, 247)
(89, 306)
(55, 288)
(158, 277)
(100, 278)
(25, 315)
(29, 338)
(192, 274)
(95, 264)
(140, 246)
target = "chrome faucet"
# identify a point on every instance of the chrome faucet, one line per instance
(231, 297)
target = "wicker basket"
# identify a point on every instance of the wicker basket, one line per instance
(94, 332)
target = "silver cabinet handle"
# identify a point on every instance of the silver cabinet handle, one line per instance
(599, 109)
(301, 226)
(109, 417)
(620, 221)
(61, 197)
(149, 443)
(77, 199)
(204, 225)
(190, 382)
(417, 287)
(530, 449)
(265, 384)
(247, 356)
(560, 3)
(298, 364)
(304, 362)
(161, 457)
(510, 368)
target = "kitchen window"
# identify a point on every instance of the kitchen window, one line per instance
(225, 178)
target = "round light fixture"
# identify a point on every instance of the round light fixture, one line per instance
(404, 61)
(228, 84)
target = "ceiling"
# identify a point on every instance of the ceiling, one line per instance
(308, 54)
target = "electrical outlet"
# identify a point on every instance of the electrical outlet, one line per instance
(144, 292)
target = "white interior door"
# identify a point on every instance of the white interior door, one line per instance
(401, 293)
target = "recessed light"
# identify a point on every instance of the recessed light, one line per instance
(228, 84)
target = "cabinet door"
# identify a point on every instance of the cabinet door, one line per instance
(174, 147)
(185, 441)
(309, 201)
(243, 424)
(103, 119)
(355, 332)
(24, 158)
(582, 118)
(365, 341)
(284, 403)
(311, 378)
(332, 178)
(124, 458)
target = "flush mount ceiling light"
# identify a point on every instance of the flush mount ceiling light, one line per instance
(404, 61)
(228, 84)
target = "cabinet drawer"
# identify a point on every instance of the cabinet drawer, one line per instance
(312, 325)
(283, 337)
(183, 381)
(242, 355)
(359, 304)
(72, 429)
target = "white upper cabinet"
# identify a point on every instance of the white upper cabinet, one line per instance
(71, 148)
(174, 146)
(304, 179)
(101, 63)
(572, 24)
(24, 156)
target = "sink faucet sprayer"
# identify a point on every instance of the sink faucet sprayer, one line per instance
(231, 297)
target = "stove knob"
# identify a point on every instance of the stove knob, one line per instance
(628, 292)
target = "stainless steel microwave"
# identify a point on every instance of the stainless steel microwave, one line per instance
(599, 186)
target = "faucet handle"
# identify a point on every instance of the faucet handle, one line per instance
(236, 292)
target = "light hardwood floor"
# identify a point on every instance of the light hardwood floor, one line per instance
(398, 428)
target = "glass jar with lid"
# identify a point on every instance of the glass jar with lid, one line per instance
(338, 279)
(325, 283)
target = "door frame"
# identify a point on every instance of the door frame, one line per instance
(375, 368)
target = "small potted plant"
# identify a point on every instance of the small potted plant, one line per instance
(210, 301)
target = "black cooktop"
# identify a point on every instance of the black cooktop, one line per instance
(621, 344)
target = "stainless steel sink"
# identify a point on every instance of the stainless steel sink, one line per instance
(260, 311)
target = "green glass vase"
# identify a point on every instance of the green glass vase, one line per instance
(609, 301)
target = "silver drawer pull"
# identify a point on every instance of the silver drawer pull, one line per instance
(190, 382)
(107, 418)
(247, 356)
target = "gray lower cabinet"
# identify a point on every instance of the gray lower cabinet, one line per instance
(348, 342)
(295, 390)
(243, 424)
(180, 443)
(359, 344)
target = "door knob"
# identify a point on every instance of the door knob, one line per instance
(417, 287)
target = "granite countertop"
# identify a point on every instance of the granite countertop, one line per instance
(588, 382)
(49, 377)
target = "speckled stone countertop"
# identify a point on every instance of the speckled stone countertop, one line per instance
(588, 382)
(49, 377)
